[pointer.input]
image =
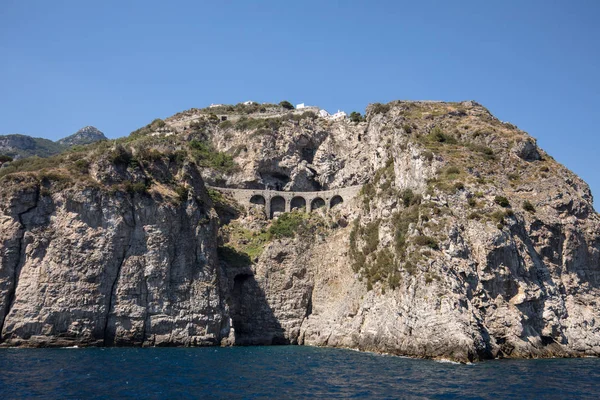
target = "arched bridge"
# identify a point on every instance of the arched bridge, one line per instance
(276, 201)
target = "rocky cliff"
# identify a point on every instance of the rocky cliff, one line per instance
(467, 241)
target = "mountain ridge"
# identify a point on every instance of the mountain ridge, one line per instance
(466, 241)
(21, 146)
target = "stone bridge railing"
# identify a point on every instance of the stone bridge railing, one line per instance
(276, 201)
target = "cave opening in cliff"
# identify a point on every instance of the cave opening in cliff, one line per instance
(274, 180)
(308, 154)
(237, 307)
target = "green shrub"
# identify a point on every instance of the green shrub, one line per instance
(356, 117)
(206, 156)
(148, 154)
(527, 206)
(286, 225)
(401, 222)
(428, 241)
(137, 187)
(216, 196)
(502, 201)
(409, 198)
(379, 108)
(151, 127)
(428, 155)
(225, 124)
(407, 128)
(287, 105)
(485, 151)
(82, 166)
(475, 215)
(472, 202)
(371, 237)
(182, 193)
(410, 267)
(459, 186)
(4, 158)
(120, 156)
(437, 135)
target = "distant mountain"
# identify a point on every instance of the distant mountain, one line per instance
(86, 135)
(21, 146)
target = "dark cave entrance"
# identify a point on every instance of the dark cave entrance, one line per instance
(275, 180)
(239, 308)
(308, 154)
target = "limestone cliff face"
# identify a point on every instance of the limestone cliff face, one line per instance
(467, 241)
(84, 266)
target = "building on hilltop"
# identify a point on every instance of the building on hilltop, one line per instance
(324, 114)
(339, 115)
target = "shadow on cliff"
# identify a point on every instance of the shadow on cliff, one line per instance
(253, 319)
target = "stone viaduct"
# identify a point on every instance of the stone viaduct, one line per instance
(276, 201)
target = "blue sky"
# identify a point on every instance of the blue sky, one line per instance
(117, 65)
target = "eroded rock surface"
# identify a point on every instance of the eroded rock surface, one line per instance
(467, 242)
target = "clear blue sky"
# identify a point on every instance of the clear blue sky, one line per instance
(119, 64)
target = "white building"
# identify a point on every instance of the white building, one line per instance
(215, 105)
(249, 103)
(324, 114)
(300, 106)
(339, 115)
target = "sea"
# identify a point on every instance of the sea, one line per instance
(282, 372)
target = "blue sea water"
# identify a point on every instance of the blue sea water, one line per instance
(282, 372)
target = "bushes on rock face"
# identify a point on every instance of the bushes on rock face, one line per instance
(151, 127)
(136, 187)
(437, 135)
(378, 108)
(487, 152)
(4, 158)
(409, 198)
(401, 222)
(182, 193)
(427, 241)
(286, 225)
(502, 201)
(527, 206)
(206, 156)
(120, 156)
(287, 105)
(225, 124)
(245, 124)
(371, 237)
(356, 117)
(82, 166)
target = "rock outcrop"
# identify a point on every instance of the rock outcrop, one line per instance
(85, 135)
(467, 241)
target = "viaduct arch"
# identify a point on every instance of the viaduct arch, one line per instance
(276, 201)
